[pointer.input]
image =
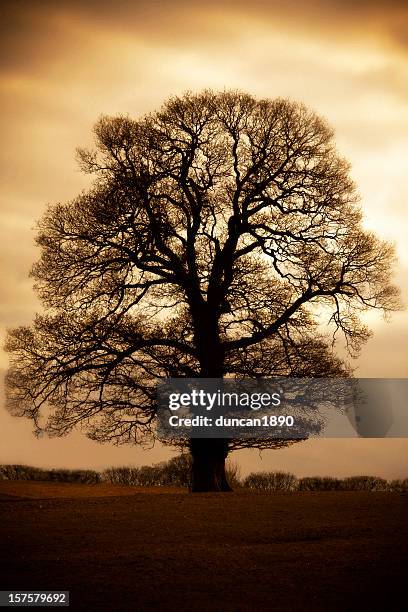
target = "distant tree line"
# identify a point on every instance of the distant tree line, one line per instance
(270, 482)
(28, 472)
(177, 473)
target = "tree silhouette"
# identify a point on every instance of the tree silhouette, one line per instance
(219, 234)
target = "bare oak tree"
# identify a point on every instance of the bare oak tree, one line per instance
(219, 237)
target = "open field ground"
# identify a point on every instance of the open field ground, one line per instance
(121, 548)
(26, 489)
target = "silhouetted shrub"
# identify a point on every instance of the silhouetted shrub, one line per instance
(177, 471)
(122, 475)
(133, 476)
(161, 474)
(319, 483)
(233, 474)
(270, 481)
(400, 486)
(364, 483)
(27, 472)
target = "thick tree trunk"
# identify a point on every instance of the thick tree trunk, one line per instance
(208, 455)
(208, 467)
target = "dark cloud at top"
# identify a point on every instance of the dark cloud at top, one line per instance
(30, 30)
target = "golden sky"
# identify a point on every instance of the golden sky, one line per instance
(62, 64)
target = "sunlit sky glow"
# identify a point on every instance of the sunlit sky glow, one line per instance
(63, 64)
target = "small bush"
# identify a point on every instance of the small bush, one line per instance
(233, 474)
(145, 476)
(400, 486)
(364, 483)
(319, 483)
(177, 471)
(271, 481)
(122, 475)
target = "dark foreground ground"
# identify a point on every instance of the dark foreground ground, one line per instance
(175, 551)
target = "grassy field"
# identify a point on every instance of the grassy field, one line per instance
(122, 548)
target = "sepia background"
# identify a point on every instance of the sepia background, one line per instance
(63, 64)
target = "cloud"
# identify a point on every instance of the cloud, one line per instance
(31, 31)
